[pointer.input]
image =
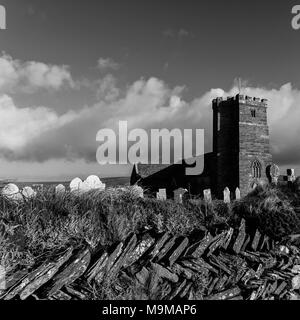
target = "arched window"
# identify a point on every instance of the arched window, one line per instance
(253, 113)
(256, 169)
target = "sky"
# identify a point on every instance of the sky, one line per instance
(69, 68)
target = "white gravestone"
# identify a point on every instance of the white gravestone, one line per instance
(161, 194)
(226, 193)
(76, 184)
(12, 192)
(207, 195)
(94, 183)
(28, 193)
(274, 173)
(59, 189)
(237, 194)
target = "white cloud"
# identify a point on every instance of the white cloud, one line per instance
(107, 88)
(41, 134)
(19, 126)
(30, 76)
(107, 63)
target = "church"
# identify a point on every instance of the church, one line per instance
(240, 158)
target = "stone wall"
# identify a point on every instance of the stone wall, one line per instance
(224, 265)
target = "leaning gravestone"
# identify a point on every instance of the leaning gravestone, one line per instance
(28, 193)
(274, 173)
(161, 194)
(226, 193)
(237, 194)
(207, 195)
(178, 195)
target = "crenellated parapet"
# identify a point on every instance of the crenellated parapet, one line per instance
(240, 99)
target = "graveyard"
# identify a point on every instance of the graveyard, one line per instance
(92, 242)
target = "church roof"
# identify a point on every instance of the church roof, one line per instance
(146, 170)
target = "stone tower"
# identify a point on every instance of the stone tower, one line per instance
(240, 143)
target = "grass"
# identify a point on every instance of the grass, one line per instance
(269, 209)
(48, 222)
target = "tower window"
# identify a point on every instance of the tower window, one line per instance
(253, 113)
(256, 169)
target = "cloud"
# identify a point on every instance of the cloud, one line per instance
(107, 88)
(30, 76)
(46, 135)
(40, 134)
(183, 33)
(107, 63)
(180, 33)
(19, 126)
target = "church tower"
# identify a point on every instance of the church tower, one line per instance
(241, 144)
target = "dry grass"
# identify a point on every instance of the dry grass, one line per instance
(50, 222)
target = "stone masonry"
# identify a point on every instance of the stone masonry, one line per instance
(240, 143)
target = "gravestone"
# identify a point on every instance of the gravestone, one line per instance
(85, 187)
(178, 195)
(274, 173)
(161, 194)
(226, 193)
(59, 189)
(207, 195)
(76, 184)
(28, 193)
(11, 191)
(237, 194)
(93, 182)
(291, 175)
